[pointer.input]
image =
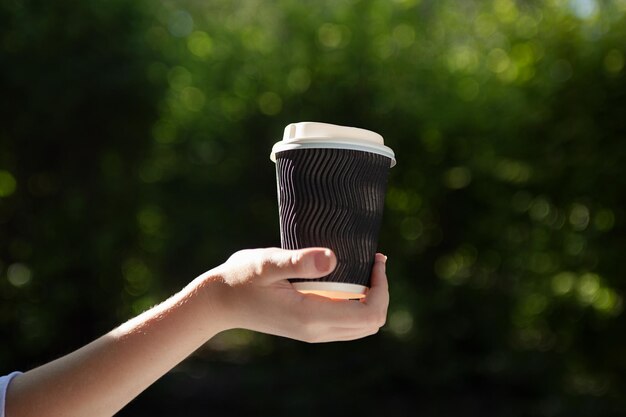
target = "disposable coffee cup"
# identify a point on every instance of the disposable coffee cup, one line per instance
(331, 193)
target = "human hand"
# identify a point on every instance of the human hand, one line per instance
(256, 294)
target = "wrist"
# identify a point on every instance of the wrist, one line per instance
(212, 292)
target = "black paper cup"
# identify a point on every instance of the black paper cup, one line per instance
(331, 193)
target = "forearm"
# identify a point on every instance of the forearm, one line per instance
(102, 377)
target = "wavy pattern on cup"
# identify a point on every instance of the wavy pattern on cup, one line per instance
(333, 198)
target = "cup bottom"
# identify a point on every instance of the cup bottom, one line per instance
(334, 290)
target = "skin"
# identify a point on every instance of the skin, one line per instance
(249, 291)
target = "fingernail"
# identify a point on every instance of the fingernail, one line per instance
(383, 261)
(323, 260)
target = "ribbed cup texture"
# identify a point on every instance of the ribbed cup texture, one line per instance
(333, 198)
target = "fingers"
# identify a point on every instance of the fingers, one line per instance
(278, 264)
(326, 320)
(378, 294)
(369, 313)
(340, 334)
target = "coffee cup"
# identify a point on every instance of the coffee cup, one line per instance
(331, 184)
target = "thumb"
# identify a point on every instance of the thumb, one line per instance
(301, 263)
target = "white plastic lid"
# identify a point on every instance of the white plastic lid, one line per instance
(324, 135)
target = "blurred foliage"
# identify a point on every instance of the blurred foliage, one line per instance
(134, 144)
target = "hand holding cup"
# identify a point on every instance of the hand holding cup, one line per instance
(257, 295)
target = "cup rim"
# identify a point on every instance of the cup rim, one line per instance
(341, 290)
(334, 143)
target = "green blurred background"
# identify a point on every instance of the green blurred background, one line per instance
(134, 155)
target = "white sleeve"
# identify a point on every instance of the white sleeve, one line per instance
(4, 384)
